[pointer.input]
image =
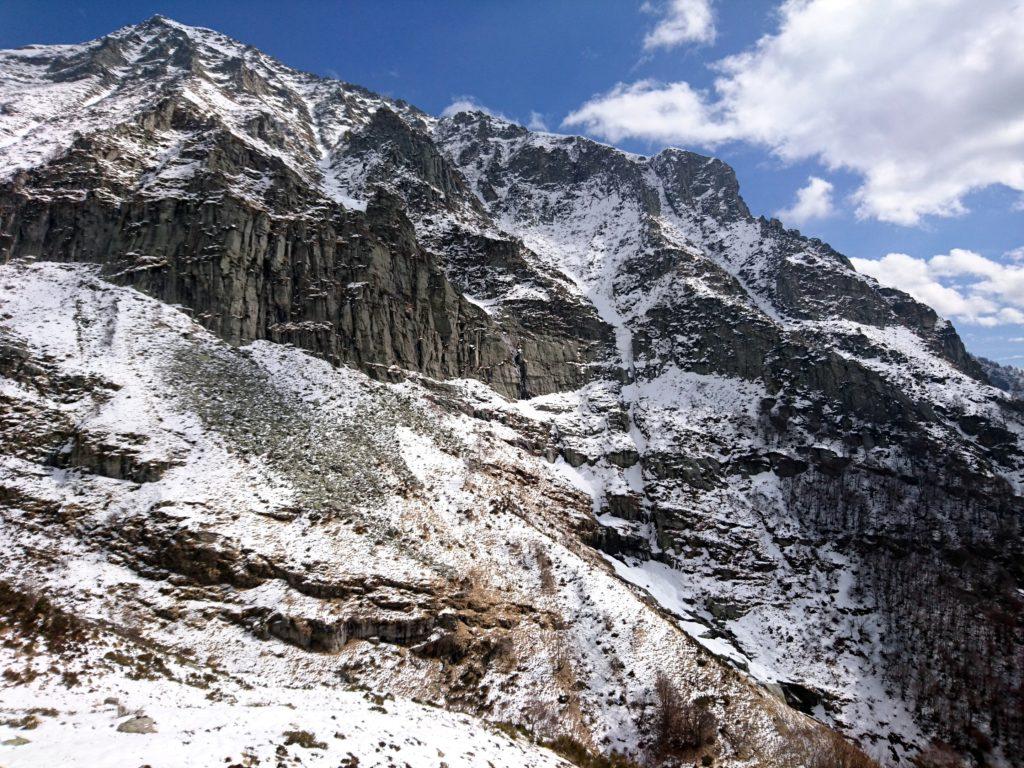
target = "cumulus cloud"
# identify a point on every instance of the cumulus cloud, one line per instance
(536, 122)
(682, 21)
(1016, 254)
(468, 104)
(472, 104)
(667, 113)
(923, 99)
(812, 202)
(961, 285)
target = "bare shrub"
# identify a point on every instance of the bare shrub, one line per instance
(562, 667)
(30, 615)
(827, 749)
(541, 716)
(681, 726)
(474, 586)
(579, 755)
(503, 651)
(544, 566)
(304, 739)
(938, 755)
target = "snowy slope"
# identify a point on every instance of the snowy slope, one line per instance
(321, 728)
(783, 456)
(252, 559)
(587, 211)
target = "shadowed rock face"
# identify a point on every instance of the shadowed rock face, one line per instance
(285, 263)
(353, 287)
(817, 461)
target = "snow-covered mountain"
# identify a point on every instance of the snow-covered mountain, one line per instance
(313, 399)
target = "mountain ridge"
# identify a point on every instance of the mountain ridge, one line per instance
(755, 430)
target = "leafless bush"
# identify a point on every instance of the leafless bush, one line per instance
(680, 726)
(827, 749)
(503, 652)
(474, 586)
(938, 756)
(544, 565)
(540, 716)
(29, 614)
(561, 663)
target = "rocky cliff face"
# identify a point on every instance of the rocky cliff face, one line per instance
(588, 418)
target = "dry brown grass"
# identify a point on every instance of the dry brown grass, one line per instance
(30, 615)
(578, 754)
(475, 586)
(545, 568)
(823, 748)
(939, 756)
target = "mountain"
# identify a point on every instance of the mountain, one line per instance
(1008, 378)
(316, 403)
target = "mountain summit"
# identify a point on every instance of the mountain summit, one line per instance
(316, 404)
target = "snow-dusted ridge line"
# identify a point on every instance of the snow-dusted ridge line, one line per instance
(35, 132)
(89, 93)
(588, 238)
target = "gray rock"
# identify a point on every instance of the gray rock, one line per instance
(138, 724)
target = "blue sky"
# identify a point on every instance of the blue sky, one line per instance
(549, 59)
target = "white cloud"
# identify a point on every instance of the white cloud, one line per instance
(471, 104)
(655, 111)
(683, 21)
(923, 98)
(536, 122)
(468, 104)
(962, 285)
(812, 202)
(1016, 254)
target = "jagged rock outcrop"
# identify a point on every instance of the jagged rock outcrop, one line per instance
(356, 288)
(1007, 377)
